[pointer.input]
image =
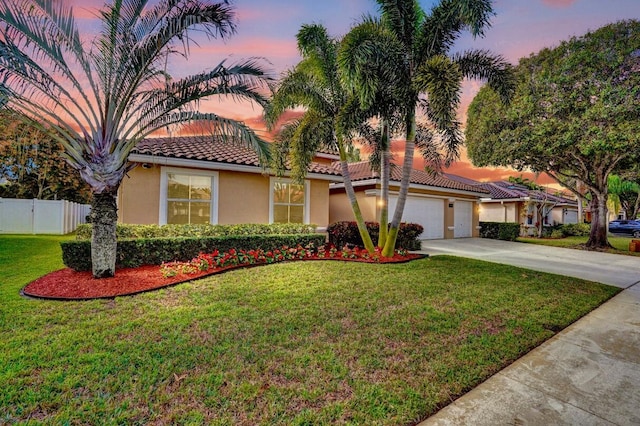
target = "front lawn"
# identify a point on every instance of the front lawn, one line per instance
(285, 344)
(620, 244)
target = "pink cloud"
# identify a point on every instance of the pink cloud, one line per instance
(558, 3)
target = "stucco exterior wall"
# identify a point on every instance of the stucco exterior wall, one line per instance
(340, 207)
(319, 203)
(139, 196)
(497, 212)
(243, 198)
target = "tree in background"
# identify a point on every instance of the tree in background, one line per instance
(427, 76)
(99, 98)
(574, 115)
(31, 166)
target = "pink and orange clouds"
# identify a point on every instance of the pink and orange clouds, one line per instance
(267, 29)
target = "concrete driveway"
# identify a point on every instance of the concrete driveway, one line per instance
(588, 374)
(612, 269)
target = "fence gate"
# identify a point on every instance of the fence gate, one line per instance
(40, 216)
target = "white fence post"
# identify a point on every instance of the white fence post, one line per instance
(40, 216)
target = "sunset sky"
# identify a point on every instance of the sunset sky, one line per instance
(267, 28)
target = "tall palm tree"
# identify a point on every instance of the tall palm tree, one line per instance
(427, 76)
(315, 85)
(99, 99)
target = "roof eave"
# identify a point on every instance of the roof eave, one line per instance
(217, 165)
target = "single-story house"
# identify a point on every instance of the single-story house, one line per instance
(510, 202)
(202, 180)
(444, 207)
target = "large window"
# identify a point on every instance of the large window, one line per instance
(188, 197)
(288, 204)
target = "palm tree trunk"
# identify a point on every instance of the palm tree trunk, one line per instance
(407, 167)
(385, 172)
(348, 186)
(104, 217)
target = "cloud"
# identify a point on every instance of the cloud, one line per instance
(558, 3)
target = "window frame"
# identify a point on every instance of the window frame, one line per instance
(164, 187)
(307, 194)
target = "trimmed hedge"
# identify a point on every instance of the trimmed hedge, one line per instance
(154, 251)
(346, 234)
(83, 232)
(575, 230)
(507, 231)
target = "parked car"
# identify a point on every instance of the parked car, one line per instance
(631, 227)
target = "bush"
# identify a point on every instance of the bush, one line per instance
(346, 234)
(123, 231)
(507, 231)
(155, 251)
(575, 230)
(556, 233)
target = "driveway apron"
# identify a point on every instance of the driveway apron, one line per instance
(588, 374)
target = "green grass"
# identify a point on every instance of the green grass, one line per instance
(620, 244)
(286, 344)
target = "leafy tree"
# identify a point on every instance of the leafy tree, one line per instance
(520, 180)
(32, 166)
(574, 115)
(98, 99)
(315, 85)
(425, 76)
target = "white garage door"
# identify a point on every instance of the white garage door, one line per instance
(463, 219)
(570, 216)
(428, 212)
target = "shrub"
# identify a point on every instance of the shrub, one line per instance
(576, 230)
(556, 233)
(123, 231)
(507, 231)
(155, 251)
(346, 234)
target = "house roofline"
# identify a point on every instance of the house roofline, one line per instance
(368, 182)
(513, 200)
(327, 156)
(214, 165)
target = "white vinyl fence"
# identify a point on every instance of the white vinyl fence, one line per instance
(40, 216)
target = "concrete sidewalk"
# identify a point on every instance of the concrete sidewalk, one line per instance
(588, 374)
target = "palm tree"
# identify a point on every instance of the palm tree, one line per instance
(618, 188)
(426, 76)
(100, 99)
(315, 85)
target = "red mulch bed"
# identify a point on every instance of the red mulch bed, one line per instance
(67, 284)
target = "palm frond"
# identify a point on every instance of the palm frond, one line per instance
(439, 31)
(402, 17)
(482, 64)
(441, 79)
(240, 82)
(298, 89)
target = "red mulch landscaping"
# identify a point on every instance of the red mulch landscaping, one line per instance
(67, 284)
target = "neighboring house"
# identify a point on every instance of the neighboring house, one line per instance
(444, 207)
(510, 202)
(201, 180)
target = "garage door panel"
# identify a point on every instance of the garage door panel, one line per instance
(428, 212)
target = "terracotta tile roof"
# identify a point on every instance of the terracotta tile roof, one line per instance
(362, 171)
(205, 148)
(503, 190)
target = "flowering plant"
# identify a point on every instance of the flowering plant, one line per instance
(218, 261)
